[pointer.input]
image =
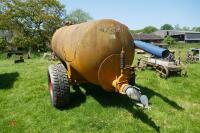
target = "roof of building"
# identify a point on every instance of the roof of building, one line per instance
(175, 32)
(143, 36)
(188, 35)
(181, 31)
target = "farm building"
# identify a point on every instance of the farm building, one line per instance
(147, 37)
(186, 36)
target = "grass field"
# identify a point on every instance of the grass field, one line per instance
(25, 103)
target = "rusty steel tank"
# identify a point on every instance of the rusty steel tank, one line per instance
(100, 52)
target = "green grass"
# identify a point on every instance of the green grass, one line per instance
(25, 103)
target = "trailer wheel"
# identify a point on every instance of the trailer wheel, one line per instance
(183, 73)
(59, 86)
(142, 64)
(163, 71)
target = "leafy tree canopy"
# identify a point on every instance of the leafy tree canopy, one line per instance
(78, 16)
(32, 21)
(169, 40)
(177, 27)
(185, 28)
(196, 29)
(167, 27)
(149, 29)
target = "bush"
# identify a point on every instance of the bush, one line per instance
(169, 40)
(2, 43)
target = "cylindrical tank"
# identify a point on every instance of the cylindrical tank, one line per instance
(93, 49)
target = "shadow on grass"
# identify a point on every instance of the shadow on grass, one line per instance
(7, 80)
(107, 99)
(150, 93)
(76, 98)
(116, 100)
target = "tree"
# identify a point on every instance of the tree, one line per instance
(2, 43)
(166, 27)
(78, 16)
(197, 29)
(169, 40)
(177, 27)
(32, 21)
(149, 29)
(136, 31)
(186, 28)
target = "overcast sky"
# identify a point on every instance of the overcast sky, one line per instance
(137, 14)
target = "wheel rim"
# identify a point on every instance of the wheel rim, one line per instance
(162, 71)
(50, 87)
(51, 90)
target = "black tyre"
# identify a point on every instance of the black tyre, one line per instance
(59, 86)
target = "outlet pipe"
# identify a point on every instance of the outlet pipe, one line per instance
(152, 49)
(134, 93)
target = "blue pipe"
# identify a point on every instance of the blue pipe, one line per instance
(152, 49)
